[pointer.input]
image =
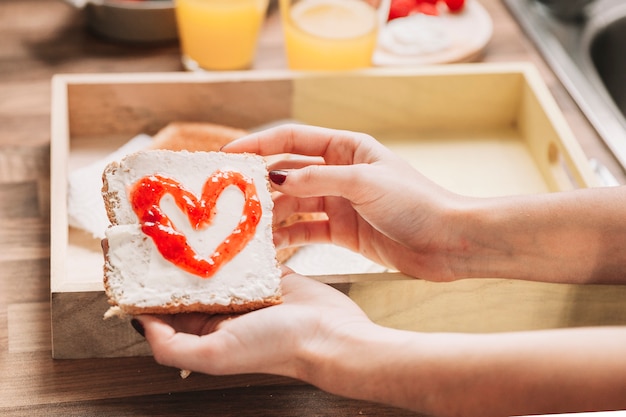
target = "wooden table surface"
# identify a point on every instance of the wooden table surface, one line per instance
(39, 38)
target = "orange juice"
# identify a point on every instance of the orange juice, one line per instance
(329, 34)
(219, 35)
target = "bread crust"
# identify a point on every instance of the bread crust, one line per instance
(111, 198)
(195, 136)
(173, 308)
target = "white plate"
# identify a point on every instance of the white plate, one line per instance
(443, 39)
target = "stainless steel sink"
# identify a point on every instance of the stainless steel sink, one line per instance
(587, 52)
(608, 53)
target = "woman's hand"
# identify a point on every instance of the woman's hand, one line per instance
(273, 340)
(374, 202)
(319, 336)
(379, 205)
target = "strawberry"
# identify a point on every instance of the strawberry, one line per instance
(400, 8)
(426, 7)
(455, 6)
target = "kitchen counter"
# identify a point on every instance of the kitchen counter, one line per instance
(44, 37)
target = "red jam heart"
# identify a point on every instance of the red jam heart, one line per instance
(145, 198)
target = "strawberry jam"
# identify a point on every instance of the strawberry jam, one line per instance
(145, 198)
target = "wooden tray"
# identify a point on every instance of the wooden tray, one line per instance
(479, 129)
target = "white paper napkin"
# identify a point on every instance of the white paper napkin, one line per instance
(85, 206)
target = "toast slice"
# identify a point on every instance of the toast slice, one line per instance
(190, 232)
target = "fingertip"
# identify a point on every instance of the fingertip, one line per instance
(138, 326)
(224, 148)
(285, 270)
(162, 339)
(151, 326)
(280, 238)
(249, 143)
(104, 244)
(278, 176)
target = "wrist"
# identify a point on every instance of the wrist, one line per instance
(521, 238)
(456, 246)
(363, 361)
(486, 238)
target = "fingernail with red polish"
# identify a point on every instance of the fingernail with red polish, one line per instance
(278, 177)
(138, 327)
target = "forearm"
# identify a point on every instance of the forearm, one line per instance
(460, 374)
(571, 237)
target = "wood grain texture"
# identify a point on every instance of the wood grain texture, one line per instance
(41, 38)
(241, 402)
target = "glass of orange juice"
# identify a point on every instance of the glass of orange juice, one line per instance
(219, 34)
(331, 34)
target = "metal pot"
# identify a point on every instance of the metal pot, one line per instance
(131, 21)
